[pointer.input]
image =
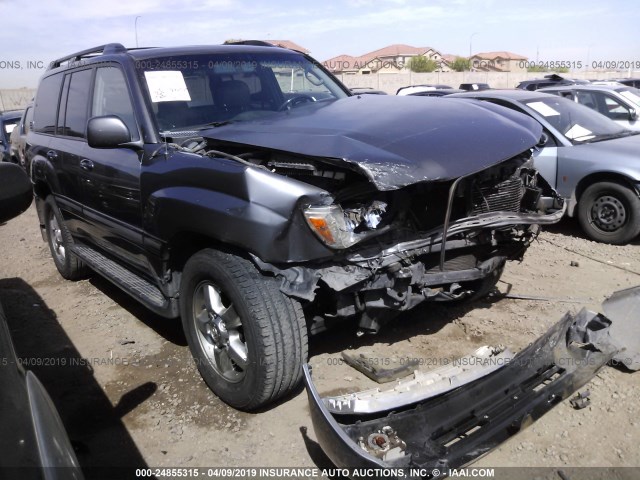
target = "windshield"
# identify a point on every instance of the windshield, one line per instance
(191, 91)
(631, 94)
(576, 122)
(9, 125)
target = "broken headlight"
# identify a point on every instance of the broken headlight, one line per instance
(342, 228)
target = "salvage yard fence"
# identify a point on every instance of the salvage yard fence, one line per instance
(15, 99)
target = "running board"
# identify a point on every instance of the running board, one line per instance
(139, 288)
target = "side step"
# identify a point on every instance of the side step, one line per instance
(136, 286)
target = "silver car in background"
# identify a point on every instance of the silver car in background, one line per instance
(589, 159)
(620, 103)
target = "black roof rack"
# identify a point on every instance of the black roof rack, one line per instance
(107, 49)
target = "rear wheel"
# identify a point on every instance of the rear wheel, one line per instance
(248, 339)
(60, 241)
(610, 213)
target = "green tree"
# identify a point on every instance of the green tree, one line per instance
(461, 64)
(422, 64)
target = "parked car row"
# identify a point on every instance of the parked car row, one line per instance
(593, 162)
(438, 90)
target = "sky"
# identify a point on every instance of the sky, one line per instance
(35, 32)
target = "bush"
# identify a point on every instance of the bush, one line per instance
(461, 64)
(422, 64)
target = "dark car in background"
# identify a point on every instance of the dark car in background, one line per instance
(33, 441)
(436, 93)
(620, 103)
(549, 81)
(590, 160)
(473, 87)
(413, 89)
(18, 139)
(8, 121)
(366, 91)
(629, 82)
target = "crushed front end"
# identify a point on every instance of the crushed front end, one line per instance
(430, 241)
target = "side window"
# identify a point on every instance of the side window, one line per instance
(111, 97)
(568, 95)
(614, 109)
(75, 124)
(46, 106)
(587, 99)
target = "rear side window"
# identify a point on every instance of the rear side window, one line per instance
(46, 105)
(111, 97)
(75, 123)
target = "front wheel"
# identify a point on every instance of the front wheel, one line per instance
(610, 213)
(248, 339)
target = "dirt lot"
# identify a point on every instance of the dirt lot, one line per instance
(129, 394)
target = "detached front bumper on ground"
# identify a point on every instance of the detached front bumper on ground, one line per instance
(454, 429)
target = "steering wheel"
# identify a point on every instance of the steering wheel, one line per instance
(295, 101)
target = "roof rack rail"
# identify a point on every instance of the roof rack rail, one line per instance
(255, 43)
(106, 49)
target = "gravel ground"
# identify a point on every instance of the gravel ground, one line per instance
(129, 394)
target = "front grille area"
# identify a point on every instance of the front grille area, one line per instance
(503, 197)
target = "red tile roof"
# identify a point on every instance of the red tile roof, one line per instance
(397, 50)
(493, 55)
(343, 62)
(347, 62)
(287, 44)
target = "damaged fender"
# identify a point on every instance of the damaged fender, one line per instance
(461, 425)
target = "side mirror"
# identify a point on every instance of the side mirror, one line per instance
(15, 191)
(633, 114)
(108, 132)
(544, 138)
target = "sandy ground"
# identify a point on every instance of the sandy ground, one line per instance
(129, 394)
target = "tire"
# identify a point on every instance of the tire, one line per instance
(60, 240)
(247, 338)
(610, 213)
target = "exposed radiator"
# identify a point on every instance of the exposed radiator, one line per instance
(505, 196)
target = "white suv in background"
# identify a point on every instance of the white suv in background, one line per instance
(620, 103)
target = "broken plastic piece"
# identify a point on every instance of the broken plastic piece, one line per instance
(367, 366)
(423, 385)
(581, 400)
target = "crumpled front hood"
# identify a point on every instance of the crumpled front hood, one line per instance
(395, 141)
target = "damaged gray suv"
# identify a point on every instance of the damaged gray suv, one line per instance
(244, 189)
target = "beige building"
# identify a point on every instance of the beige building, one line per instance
(390, 59)
(498, 62)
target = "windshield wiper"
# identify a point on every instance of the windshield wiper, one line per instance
(609, 136)
(216, 124)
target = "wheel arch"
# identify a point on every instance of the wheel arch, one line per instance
(185, 244)
(598, 177)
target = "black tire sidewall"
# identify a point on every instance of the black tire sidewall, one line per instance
(245, 392)
(631, 204)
